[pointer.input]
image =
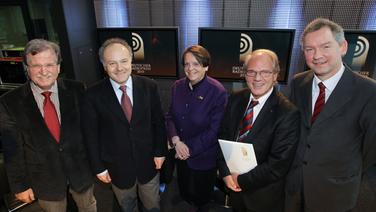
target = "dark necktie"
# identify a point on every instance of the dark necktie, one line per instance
(320, 102)
(247, 120)
(50, 116)
(126, 104)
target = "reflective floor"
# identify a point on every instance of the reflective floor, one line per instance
(171, 202)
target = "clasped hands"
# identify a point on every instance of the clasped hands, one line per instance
(231, 182)
(182, 150)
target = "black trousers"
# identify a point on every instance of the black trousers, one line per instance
(196, 186)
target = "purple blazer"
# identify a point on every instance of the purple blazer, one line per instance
(195, 116)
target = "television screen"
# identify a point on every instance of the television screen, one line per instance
(12, 71)
(155, 50)
(361, 51)
(229, 47)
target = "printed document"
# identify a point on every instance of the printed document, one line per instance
(240, 157)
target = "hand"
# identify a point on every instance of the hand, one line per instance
(104, 177)
(235, 179)
(159, 162)
(229, 181)
(182, 151)
(26, 196)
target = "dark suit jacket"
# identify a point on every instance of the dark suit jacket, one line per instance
(125, 149)
(33, 159)
(274, 136)
(340, 144)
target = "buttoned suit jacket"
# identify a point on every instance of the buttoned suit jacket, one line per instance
(334, 150)
(274, 136)
(33, 158)
(125, 149)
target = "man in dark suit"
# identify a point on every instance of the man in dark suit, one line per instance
(40, 127)
(274, 131)
(124, 129)
(337, 142)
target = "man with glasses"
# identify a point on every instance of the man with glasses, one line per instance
(262, 116)
(44, 152)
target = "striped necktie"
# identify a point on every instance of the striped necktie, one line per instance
(247, 121)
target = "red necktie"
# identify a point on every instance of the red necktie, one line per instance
(126, 104)
(320, 102)
(50, 116)
(247, 120)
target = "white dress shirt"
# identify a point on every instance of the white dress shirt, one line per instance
(261, 102)
(39, 98)
(119, 93)
(329, 84)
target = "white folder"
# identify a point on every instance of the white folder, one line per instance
(240, 157)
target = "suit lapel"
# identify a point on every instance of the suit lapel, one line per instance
(109, 98)
(138, 95)
(66, 101)
(341, 94)
(33, 113)
(306, 95)
(239, 102)
(264, 115)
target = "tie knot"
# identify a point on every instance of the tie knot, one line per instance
(254, 103)
(46, 94)
(321, 86)
(123, 88)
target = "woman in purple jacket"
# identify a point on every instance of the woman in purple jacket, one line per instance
(193, 121)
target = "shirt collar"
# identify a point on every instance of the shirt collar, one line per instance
(37, 89)
(262, 99)
(128, 83)
(330, 83)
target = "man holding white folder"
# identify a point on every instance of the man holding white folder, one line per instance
(263, 117)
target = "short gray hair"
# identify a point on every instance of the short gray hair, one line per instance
(111, 41)
(319, 23)
(36, 46)
(272, 55)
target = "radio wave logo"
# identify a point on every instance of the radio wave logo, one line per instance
(360, 53)
(138, 47)
(246, 45)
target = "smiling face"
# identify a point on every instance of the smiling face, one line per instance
(260, 64)
(194, 71)
(43, 69)
(117, 62)
(323, 54)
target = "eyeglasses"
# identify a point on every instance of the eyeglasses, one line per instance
(39, 66)
(264, 73)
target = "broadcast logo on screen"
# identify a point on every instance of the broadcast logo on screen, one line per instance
(360, 53)
(246, 45)
(137, 46)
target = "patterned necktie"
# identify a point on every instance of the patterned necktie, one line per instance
(50, 116)
(320, 102)
(126, 104)
(247, 121)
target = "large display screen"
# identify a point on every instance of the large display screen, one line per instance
(155, 50)
(228, 49)
(361, 51)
